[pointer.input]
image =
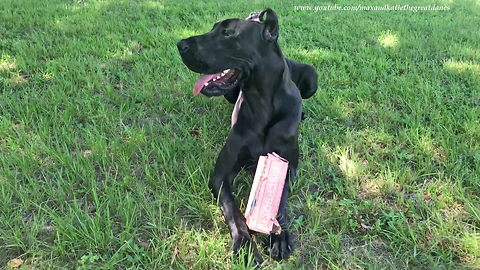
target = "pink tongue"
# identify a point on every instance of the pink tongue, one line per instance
(201, 82)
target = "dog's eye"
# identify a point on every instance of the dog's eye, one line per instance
(228, 32)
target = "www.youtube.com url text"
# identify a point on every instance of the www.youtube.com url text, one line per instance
(385, 7)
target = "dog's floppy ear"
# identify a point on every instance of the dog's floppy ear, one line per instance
(270, 24)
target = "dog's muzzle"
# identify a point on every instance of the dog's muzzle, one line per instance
(211, 84)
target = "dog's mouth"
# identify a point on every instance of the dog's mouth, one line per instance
(217, 84)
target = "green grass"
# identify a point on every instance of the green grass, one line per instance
(105, 154)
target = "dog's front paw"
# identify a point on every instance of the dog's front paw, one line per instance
(281, 246)
(244, 241)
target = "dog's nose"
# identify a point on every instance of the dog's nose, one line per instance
(182, 46)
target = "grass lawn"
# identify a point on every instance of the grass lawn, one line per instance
(105, 154)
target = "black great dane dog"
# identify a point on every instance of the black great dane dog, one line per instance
(243, 56)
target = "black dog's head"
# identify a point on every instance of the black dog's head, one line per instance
(229, 52)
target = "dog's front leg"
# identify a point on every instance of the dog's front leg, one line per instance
(281, 245)
(226, 168)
